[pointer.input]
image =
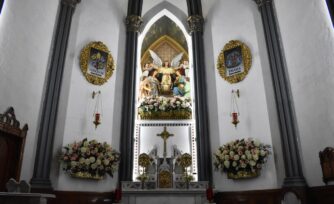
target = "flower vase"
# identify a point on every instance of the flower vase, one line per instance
(242, 174)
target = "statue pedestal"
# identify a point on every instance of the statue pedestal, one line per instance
(134, 194)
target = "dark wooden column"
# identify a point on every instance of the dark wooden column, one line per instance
(285, 107)
(195, 21)
(133, 22)
(41, 176)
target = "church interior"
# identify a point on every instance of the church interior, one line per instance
(167, 101)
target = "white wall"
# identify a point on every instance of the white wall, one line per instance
(102, 21)
(149, 4)
(240, 20)
(308, 41)
(26, 30)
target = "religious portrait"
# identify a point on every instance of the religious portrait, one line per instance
(234, 61)
(96, 63)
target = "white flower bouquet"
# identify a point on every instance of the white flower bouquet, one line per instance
(89, 159)
(245, 155)
(161, 107)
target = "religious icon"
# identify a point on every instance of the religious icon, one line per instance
(234, 61)
(96, 63)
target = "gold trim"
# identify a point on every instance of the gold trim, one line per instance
(86, 175)
(246, 57)
(167, 115)
(185, 160)
(144, 160)
(243, 175)
(84, 60)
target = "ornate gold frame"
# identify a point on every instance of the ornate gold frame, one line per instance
(84, 60)
(246, 57)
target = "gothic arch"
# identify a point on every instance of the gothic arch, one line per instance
(164, 6)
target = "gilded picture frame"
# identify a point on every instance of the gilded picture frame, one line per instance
(96, 63)
(234, 61)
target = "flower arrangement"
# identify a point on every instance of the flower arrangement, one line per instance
(89, 159)
(241, 158)
(160, 107)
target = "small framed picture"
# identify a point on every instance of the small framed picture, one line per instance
(96, 63)
(234, 61)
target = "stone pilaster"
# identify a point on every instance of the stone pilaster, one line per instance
(133, 22)
(41, 176)
(195, 22)
(285, 108)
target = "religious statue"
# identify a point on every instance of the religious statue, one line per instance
(166, 72)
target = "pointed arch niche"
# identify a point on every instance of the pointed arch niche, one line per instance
(167, 36)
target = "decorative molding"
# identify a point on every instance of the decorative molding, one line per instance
(164, 124)
(71, 3)
(260, 3)
(195, 23)
(133, 23)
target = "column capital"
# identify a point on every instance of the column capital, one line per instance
(133, 23)
(195, 23)
(71, 3)
(260, 3)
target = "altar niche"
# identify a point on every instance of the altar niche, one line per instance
(165, 143)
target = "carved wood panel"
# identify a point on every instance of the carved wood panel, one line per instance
(12, 140)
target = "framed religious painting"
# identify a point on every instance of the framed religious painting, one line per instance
(234, 61)
(96, 63)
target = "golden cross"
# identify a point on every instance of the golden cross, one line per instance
(165, 135)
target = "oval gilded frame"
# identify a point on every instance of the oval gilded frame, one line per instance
(246, 58)
(85, 59)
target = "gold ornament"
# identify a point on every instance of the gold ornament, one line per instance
(236, 52)
(96, 63)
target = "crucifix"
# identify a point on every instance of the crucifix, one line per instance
(165, 135)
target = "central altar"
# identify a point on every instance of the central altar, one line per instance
(164, 196)
(159, 161)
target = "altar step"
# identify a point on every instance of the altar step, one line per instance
(164, 196)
